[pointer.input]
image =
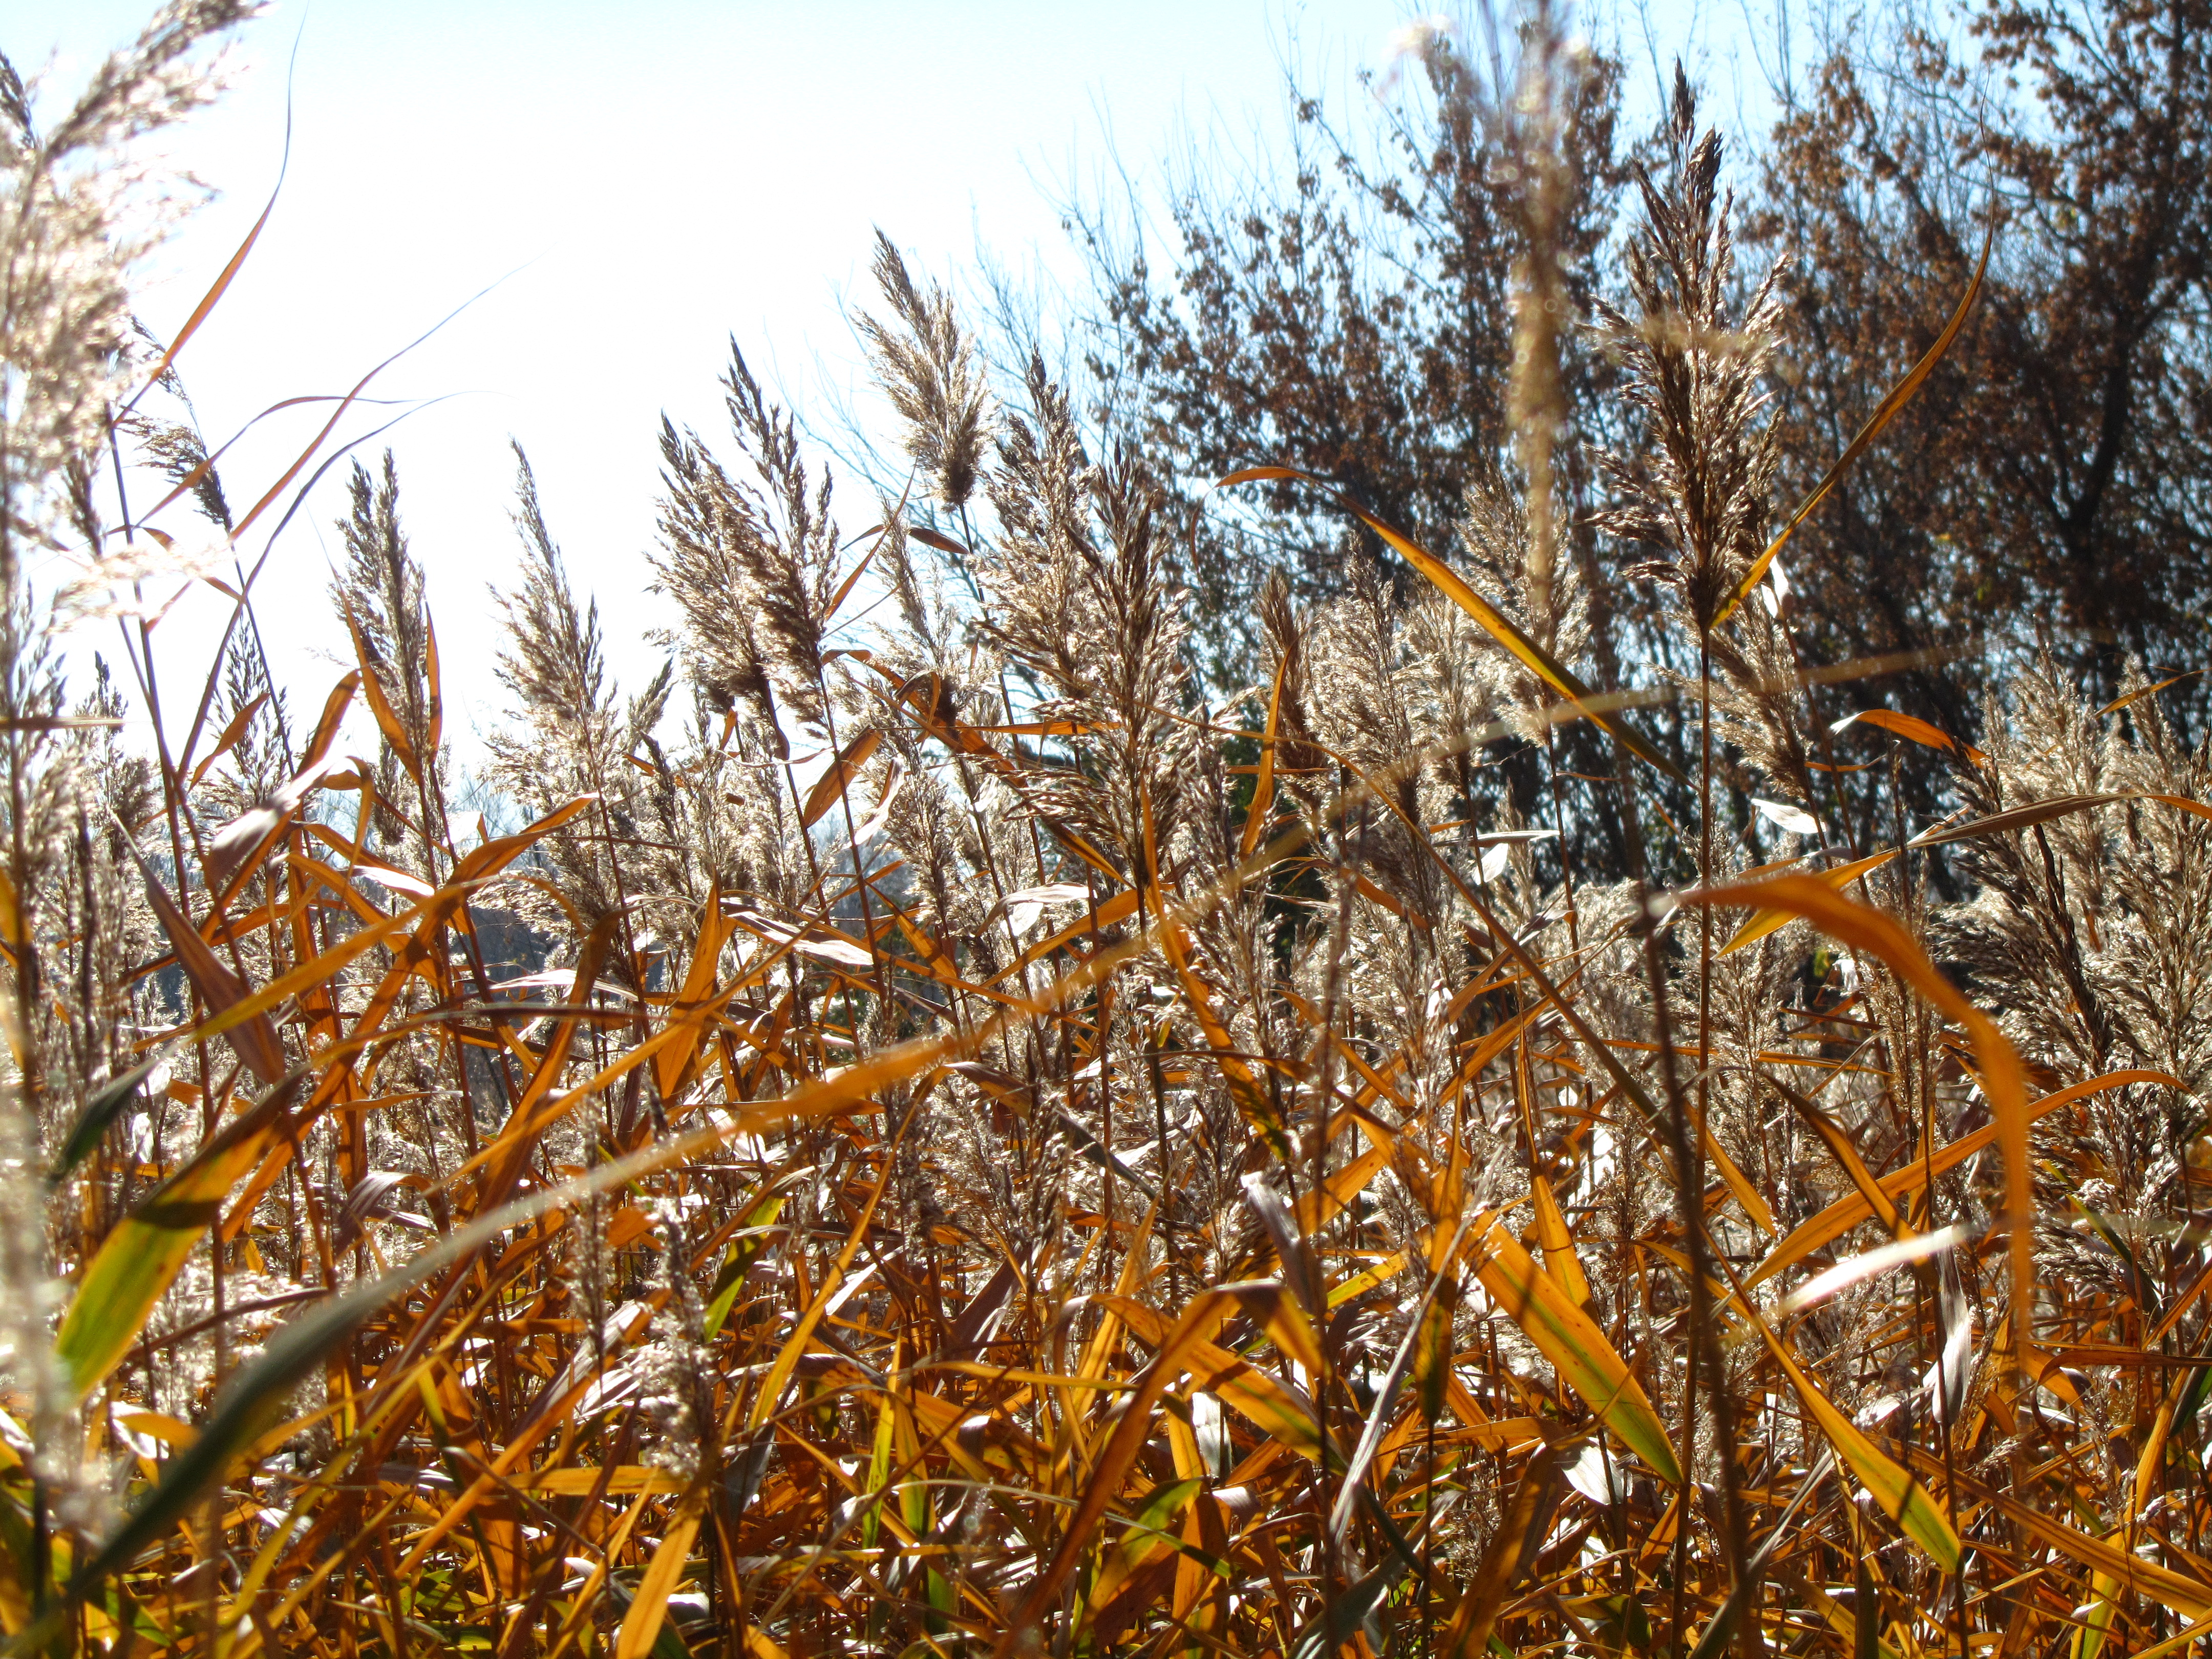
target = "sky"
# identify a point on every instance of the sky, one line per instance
(612, 193)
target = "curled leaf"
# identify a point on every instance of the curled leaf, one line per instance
(1917, 731)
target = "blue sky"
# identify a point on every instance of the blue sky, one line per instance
(648, 180)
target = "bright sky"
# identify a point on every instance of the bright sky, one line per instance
(647, 181)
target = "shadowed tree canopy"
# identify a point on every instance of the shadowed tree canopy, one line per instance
(1348, 309)
(2053, 485)
(1348, 312)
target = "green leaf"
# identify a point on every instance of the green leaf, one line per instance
(142, 1256)
(743, 1249)
(100, 1111)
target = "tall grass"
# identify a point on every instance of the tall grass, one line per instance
(1005, 1154)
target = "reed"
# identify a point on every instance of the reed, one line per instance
(992, 1149)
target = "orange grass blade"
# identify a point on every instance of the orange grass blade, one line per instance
(1906, 725)
(1242, 1083)
(387, 717)
(1772, 921)
(1845, 1213)
(692, 1011)
(480, 865)
(1122, 906)
(1885, 411)
(229, 738)
(2118, 704)
(2002, 1081)
(1263, 785)
(239, 1015)
(222, 284)
(830, 788)
(338, 414)
(1571, 1340)
(1539, 661)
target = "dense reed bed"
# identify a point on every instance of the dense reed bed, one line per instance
(935, 1132)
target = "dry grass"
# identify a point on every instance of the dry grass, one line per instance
(1001, 1154)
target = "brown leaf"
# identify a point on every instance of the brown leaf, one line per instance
(830, 788)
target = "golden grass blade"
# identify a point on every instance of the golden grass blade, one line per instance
(1841, 1148)
(1557, 1240)
(771, 1391)
(2179, 1306)
(1753, 1202)
(1902, 1498)
(1145, 1539)
(12, 936)
(1771, 921)
(640, 1625)
(1855, 1626)
(845, 588)
(2118, 704)
(2179, 1640)
(1494, 621)
(1263, 785)
(1845, 1213)
(238, 846)
(1244, 1084)
(1200, 1320)
(2190, 1597)
(1283, 1413)
(1433, 1348)
(1571, 1340)
(1367, 1278)
(1386, 1395)
(504, 1158)
(252, 1402)
(1516, 1540)
(1315, 1209)
(138, 1261)
(419, 919)
(1120, 907)
(1900, 395)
